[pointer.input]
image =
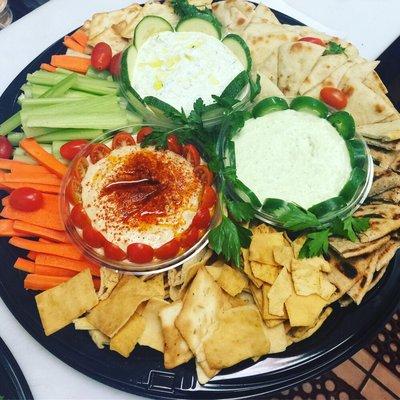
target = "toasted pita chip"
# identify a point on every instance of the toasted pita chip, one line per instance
(322, 70)
(388, 180)
(110, 315)
(176, 350)
(390, 196)
(272, 323)
(283, 256)
(103, 21)
(262, 245)
(198, 316)
(297, 244)
(127, 337)
(60, 305)
(202, 377)
(379, 227)
(108, 280)
(277, 338)
(232, 280)
(247, 268)
(82, 324)
(234, 15)
(386, 131)
(152, 335)
(267, 316)
(280, 291)
(304, 310)
(306, 277)
(348, 249)
(266, 273)
(256, 292)
(99, 339)
(239, 334)
(327, 288)
(299, 334)
(295, 62)
(156, 286)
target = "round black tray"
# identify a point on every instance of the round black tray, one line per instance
(12, 381)
(343, 334)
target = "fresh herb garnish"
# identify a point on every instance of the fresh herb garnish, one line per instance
(184, 10)
(295, 218)
(316, 244)
(333, 48)
(255, 87)
(350, 227)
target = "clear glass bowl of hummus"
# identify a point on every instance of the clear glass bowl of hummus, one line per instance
(138, 209)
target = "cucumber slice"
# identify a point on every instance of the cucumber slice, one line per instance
(200, 23)
(239, 48)
(357, 178)
(160, 108)
(357, 153)
(327, 207)
(236, 86)
(268, 105)
(310, 105)
(149, 26)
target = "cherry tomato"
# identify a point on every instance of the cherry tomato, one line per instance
(115, 64)
(93, 237)
(173, 144)
(6, 148)
(145, 131)
(168, 250)
(98, 152)
(190, 237)
(122, 139)
(333, 97)
(73, 191)
(113, 252)
(191, 154)
(79, 217)
(101, 56)
(140, 253)
(70, 149)
(202, 218)
(209, 197)
(204, 174)
(312, 40)
(26, 199)
(80, 167)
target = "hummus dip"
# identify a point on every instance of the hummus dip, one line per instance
(141, 195)
(293, 156)
(180, 67)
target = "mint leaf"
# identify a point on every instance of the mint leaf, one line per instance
(317, 243)
(227, 239)
(333, 48)
(240, 211)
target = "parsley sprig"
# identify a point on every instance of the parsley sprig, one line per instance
(333, 48)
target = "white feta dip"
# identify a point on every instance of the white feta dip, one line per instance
(293, 156)
(180, 67)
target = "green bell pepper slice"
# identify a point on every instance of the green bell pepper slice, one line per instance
(268, 105)
(344, 123)
(310, 105)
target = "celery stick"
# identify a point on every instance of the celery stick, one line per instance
(19, 150)
(24, 158)
(10, 124)
(94, 73)
(40, 102)
(92, 120)
(55, 148)
(69, 134)
(15, 137)
(34, 91)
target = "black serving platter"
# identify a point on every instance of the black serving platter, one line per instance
(12, 381)
(344, 333)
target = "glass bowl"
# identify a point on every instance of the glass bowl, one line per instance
(126, 266)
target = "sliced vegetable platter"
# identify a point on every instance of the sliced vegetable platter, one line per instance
(144, 374)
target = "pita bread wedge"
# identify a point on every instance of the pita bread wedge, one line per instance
(234, 15)
(387, 181)
(116, 42)
(295, 62)
(238, 335)
(382, 158)
(268, 79)
(379, 227)
(342, 275)
(358, 71)
(374, 82)
(395, 145)
(386, 131)
(322, 70)
(262, 14)
(103, 21)
(304, 31)
(385, 254)
(99, 339)
(197, 318)
(348, 249)
(390, 211)
(390, 196)
(395, 165)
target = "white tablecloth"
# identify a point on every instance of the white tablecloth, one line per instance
(370, 24)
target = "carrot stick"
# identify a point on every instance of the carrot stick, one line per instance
(38, 186)
(67, 263)
(72, 63)
(44, 158)
(50, 203)
(5, 200)
(73, 45)
(43, 282)
(48, 67)
(43, 179)
(24, 265)
(58, 249)
(32, 255)
(7, 229)
(34, 230)
(29, 169)
(53, 271)
(5, 163)
(81, 37)
(39, 217)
